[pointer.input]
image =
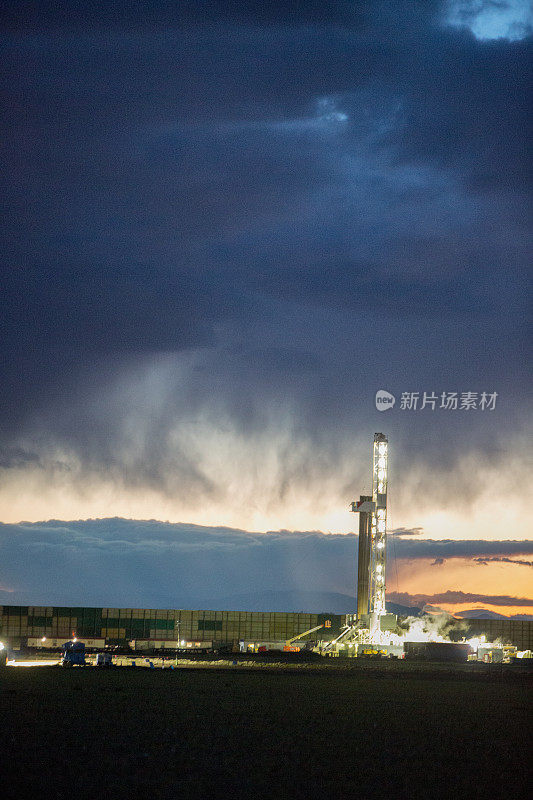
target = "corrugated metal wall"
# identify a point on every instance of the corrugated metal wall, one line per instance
(510, 631)
(123, 624)
(119, 625)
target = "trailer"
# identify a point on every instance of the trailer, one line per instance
(246, 646)
(169, 645)
(46, 643)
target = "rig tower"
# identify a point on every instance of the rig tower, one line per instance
(372, 537)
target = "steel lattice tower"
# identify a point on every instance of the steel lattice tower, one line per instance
(372, 535)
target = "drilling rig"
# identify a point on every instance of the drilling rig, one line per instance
(371, 618)
(372, 512)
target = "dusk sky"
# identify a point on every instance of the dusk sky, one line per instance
(226, 226)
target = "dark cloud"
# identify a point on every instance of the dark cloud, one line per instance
(157, 564)
(406, 532)
(468, 548)
(503, 560)
(121, 13)
(458, 597)
(282, 193)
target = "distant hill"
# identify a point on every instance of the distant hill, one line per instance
(484, 613)
(294, 601)
(403, 611)
(479, 613)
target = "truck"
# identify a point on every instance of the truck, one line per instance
(73, 654)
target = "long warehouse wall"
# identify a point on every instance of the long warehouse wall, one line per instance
(120, 625)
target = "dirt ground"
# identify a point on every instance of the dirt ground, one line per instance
(398, 732)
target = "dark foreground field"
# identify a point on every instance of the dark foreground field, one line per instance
(228, 733)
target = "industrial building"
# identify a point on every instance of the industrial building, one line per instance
(153, 627)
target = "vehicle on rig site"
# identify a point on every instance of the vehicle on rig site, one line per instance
(73, 654)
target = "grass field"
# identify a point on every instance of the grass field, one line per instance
(397, 733)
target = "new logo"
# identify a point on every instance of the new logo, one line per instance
(384, 400)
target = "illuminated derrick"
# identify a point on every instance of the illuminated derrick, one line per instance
(379, 525)
(372, 535)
